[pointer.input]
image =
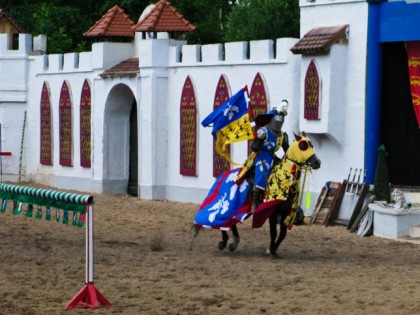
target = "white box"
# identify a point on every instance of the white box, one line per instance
(393, 223)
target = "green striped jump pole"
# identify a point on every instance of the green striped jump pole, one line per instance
(89, 296)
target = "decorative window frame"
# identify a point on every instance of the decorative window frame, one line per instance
(65, 125)
(85, 124)
(312, 92)
(45, 148)
(222, 94)
(259, 100)
(188, 130)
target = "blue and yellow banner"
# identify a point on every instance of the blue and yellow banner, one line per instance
(231, 123)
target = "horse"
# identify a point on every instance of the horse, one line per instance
(280, 194)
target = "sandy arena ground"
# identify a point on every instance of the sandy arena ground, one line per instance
(144, 265)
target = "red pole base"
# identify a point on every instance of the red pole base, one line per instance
(88, 297)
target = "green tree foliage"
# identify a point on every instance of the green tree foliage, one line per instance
(65, 21)
(209, 16)
(217, 21)
(263, 19)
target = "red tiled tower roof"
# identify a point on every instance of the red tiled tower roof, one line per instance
(319, 40)
(114, 23)
(127, 68)
(164, 18)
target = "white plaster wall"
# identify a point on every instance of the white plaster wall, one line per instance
(340, 153)
(74, 68)
(281, 76)
(56, 175)
(13, 96)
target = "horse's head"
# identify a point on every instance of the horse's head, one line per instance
(302, 151)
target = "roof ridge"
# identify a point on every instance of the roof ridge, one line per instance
(164, 18)
(103, 26)
(11, 19)
(318, 40)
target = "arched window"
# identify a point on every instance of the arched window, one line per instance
(65, 126)
(46, 132)
(312, 88)
(188, 132)
(258, 99)
(85, 131)
(220, 164)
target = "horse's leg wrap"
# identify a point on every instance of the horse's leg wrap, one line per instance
(236, 238)
(223, 242)
(234, 245)
(273, 235)
(275, 245)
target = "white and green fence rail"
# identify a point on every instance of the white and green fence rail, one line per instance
(81, 209)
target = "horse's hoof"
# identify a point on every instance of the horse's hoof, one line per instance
(267, 252)
(234, 245)
(274, 255)
(222, 245)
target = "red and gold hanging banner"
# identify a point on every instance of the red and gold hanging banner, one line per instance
(413, 53)
(220, 164)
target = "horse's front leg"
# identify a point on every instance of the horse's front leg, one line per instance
(282, 236)
(236, 238)
(223, 242)
(273, 235)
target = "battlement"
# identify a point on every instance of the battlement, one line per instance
(102, 56)
(24, 46)
(161, 52)
(253, 52)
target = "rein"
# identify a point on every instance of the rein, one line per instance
(296, 162)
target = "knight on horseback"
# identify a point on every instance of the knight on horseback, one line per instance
(230, 201)
(269, 138)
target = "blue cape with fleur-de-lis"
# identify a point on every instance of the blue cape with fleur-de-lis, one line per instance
(226, 203)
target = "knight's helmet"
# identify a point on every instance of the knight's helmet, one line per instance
(275, 124)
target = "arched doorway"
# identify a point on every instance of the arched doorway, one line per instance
(120, 160)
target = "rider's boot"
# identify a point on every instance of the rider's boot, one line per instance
(256, 198)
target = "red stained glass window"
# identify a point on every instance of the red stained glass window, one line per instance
(312, 88)
(220, 164)
(65, 126)
(188, 132)
(85, 125)
(46, 132)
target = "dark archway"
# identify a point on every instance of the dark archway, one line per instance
(399, 133)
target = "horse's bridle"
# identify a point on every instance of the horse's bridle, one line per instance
(307, 163)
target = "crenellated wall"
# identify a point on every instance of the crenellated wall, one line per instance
(254, 52)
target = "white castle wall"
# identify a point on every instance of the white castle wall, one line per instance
(205, 65)
(13, 98)
(74, 68)
(164, 66)
(339, 135)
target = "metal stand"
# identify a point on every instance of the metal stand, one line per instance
(89, 296)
